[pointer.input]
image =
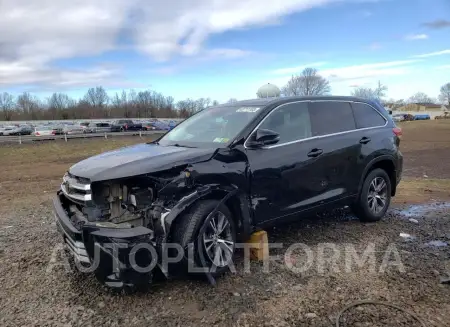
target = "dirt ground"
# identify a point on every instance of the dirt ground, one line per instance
(36, 290)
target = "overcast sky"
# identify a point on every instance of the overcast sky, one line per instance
(222, 48)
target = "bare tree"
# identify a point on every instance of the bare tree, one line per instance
(444, 96)
(420, 97)
(215, 103)
(376, 94)
(29, 105)
(309, 82)
(96, 104)
(202, 103)
(96, 97)
(59, 102)
(7, 105)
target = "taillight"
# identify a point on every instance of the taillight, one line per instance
(37, 133)
(53, 132)
(397, 131)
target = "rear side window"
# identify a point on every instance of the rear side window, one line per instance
(291, 121)
(331, 117)
(366, 116)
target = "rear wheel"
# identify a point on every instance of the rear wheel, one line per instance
(213, 240)
(375, 196)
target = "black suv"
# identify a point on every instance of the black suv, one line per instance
(221, 174)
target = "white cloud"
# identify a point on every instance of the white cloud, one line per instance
(34, 33)
(432, 54)
(26, 73)
(297, 69)
(414, 37)
(174, 26)
(359, 74)
(227, 53)
(398, 67)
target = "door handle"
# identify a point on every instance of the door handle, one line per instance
(364, 140)
(315, 153)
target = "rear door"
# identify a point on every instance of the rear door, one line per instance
(372, 134)
(333, 125)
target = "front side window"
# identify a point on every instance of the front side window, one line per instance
(366, 116)
(291, 121)
(329, 117)
(211, 127)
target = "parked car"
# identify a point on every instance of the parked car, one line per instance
(398, 117)
(160, 125)
(58, 129)
(98, 127)
(5, 130)
(74, 129)
(123, 125)
(421, 117)
(408, 117)
(222, 174)
(148, 126)
(172, 124)
(43, 131)
(16, 130)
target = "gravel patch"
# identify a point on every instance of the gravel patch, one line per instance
(37, 292)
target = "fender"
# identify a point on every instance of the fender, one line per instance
(169, 216)
(370, 165)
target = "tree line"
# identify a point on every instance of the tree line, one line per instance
(310, 82)
(97, 103)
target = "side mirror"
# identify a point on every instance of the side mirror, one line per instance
(263, 137)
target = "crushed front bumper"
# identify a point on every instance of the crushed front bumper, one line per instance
(117, 256)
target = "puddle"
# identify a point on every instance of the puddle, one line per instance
(418, 210)
(437, 244)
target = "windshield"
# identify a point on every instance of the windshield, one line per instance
(216, 126)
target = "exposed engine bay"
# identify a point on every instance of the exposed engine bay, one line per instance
(124, 204)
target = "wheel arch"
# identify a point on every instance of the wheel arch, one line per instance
(235, 200)
(385, 162)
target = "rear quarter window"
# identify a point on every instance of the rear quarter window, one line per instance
(366, 116)
(331, 117)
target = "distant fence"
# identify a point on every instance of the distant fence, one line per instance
(40, 122)
(65, 137)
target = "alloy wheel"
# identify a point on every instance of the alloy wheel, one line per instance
(377, 195)
(218, 240)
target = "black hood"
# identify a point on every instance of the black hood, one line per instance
(137, 160)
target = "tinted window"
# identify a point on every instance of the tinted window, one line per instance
(330, 117)
(291, 121)
(366, 116)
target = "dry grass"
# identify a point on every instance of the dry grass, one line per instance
(32, 172)
(416, 190)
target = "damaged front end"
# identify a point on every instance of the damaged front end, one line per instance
(116, 228)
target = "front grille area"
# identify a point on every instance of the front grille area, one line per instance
(76, 189)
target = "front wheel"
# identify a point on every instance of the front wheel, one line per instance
(213, 240)
(375, 196)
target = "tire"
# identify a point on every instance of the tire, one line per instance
(368, 208)
(190, 225)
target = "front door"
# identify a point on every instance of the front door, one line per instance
(283, 176)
